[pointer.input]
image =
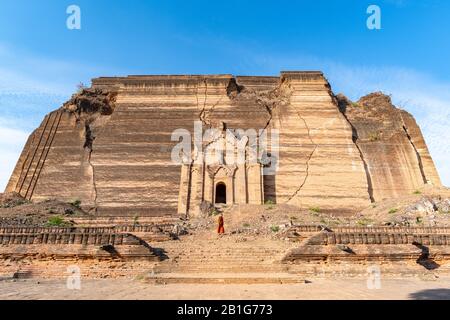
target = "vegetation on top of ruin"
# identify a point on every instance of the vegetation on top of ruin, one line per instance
(16, 211)
(374, 136)
(11, 200)
(314, 209)
(90, 101)
(56, 221)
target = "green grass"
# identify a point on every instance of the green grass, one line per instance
(314, 209)
(393, 210)
(56, 221)
(246, 225)
(275, 228)
(364, 221)
(417, 192)
(270, 204)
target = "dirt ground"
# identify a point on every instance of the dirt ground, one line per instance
(429, 206)
(339, 289)
(15, 210)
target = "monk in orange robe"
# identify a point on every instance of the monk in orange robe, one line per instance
(221, 229)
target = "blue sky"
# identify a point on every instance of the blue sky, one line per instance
(41, 61)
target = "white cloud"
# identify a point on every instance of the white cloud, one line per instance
(11, 144)
(30, 87)
(10, 138)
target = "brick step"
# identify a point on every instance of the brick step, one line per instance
(223, 258)
(228, 271)
(221, 261)
(220, 278)
(226, 253)
(219, 265)
(208, 269)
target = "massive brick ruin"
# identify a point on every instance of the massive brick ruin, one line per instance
(105, 158)
(110, 146)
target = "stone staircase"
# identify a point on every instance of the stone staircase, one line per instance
(226, 259)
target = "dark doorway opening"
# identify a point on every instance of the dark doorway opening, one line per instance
(221, 193)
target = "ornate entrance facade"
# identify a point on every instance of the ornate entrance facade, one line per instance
(225, 173)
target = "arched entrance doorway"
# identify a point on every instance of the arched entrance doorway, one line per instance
(221, 193)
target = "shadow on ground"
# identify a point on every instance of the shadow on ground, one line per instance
(161, 253)
(431, 294)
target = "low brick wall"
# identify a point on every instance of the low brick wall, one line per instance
(413, 230)
(307, 228)
(70, 238)
(331, 238)
(87, 230)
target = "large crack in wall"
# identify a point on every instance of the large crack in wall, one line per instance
(93, 109)
(88, 146)
(341, 103)
(203, 117)
(307, 160)
(419, 158)
(365, 165)
(270, 100)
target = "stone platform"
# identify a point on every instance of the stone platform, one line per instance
(301, 252)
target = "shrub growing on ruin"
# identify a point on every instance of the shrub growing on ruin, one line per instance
(269, 203)
(67, 212)
(76, 203)
(364, 221)
(314, 209)
(374, 136)
(55, 221)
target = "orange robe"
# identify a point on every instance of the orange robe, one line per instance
(220, 229)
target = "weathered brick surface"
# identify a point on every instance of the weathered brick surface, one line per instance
(119, 163)
(375, 238)
(89, 230)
